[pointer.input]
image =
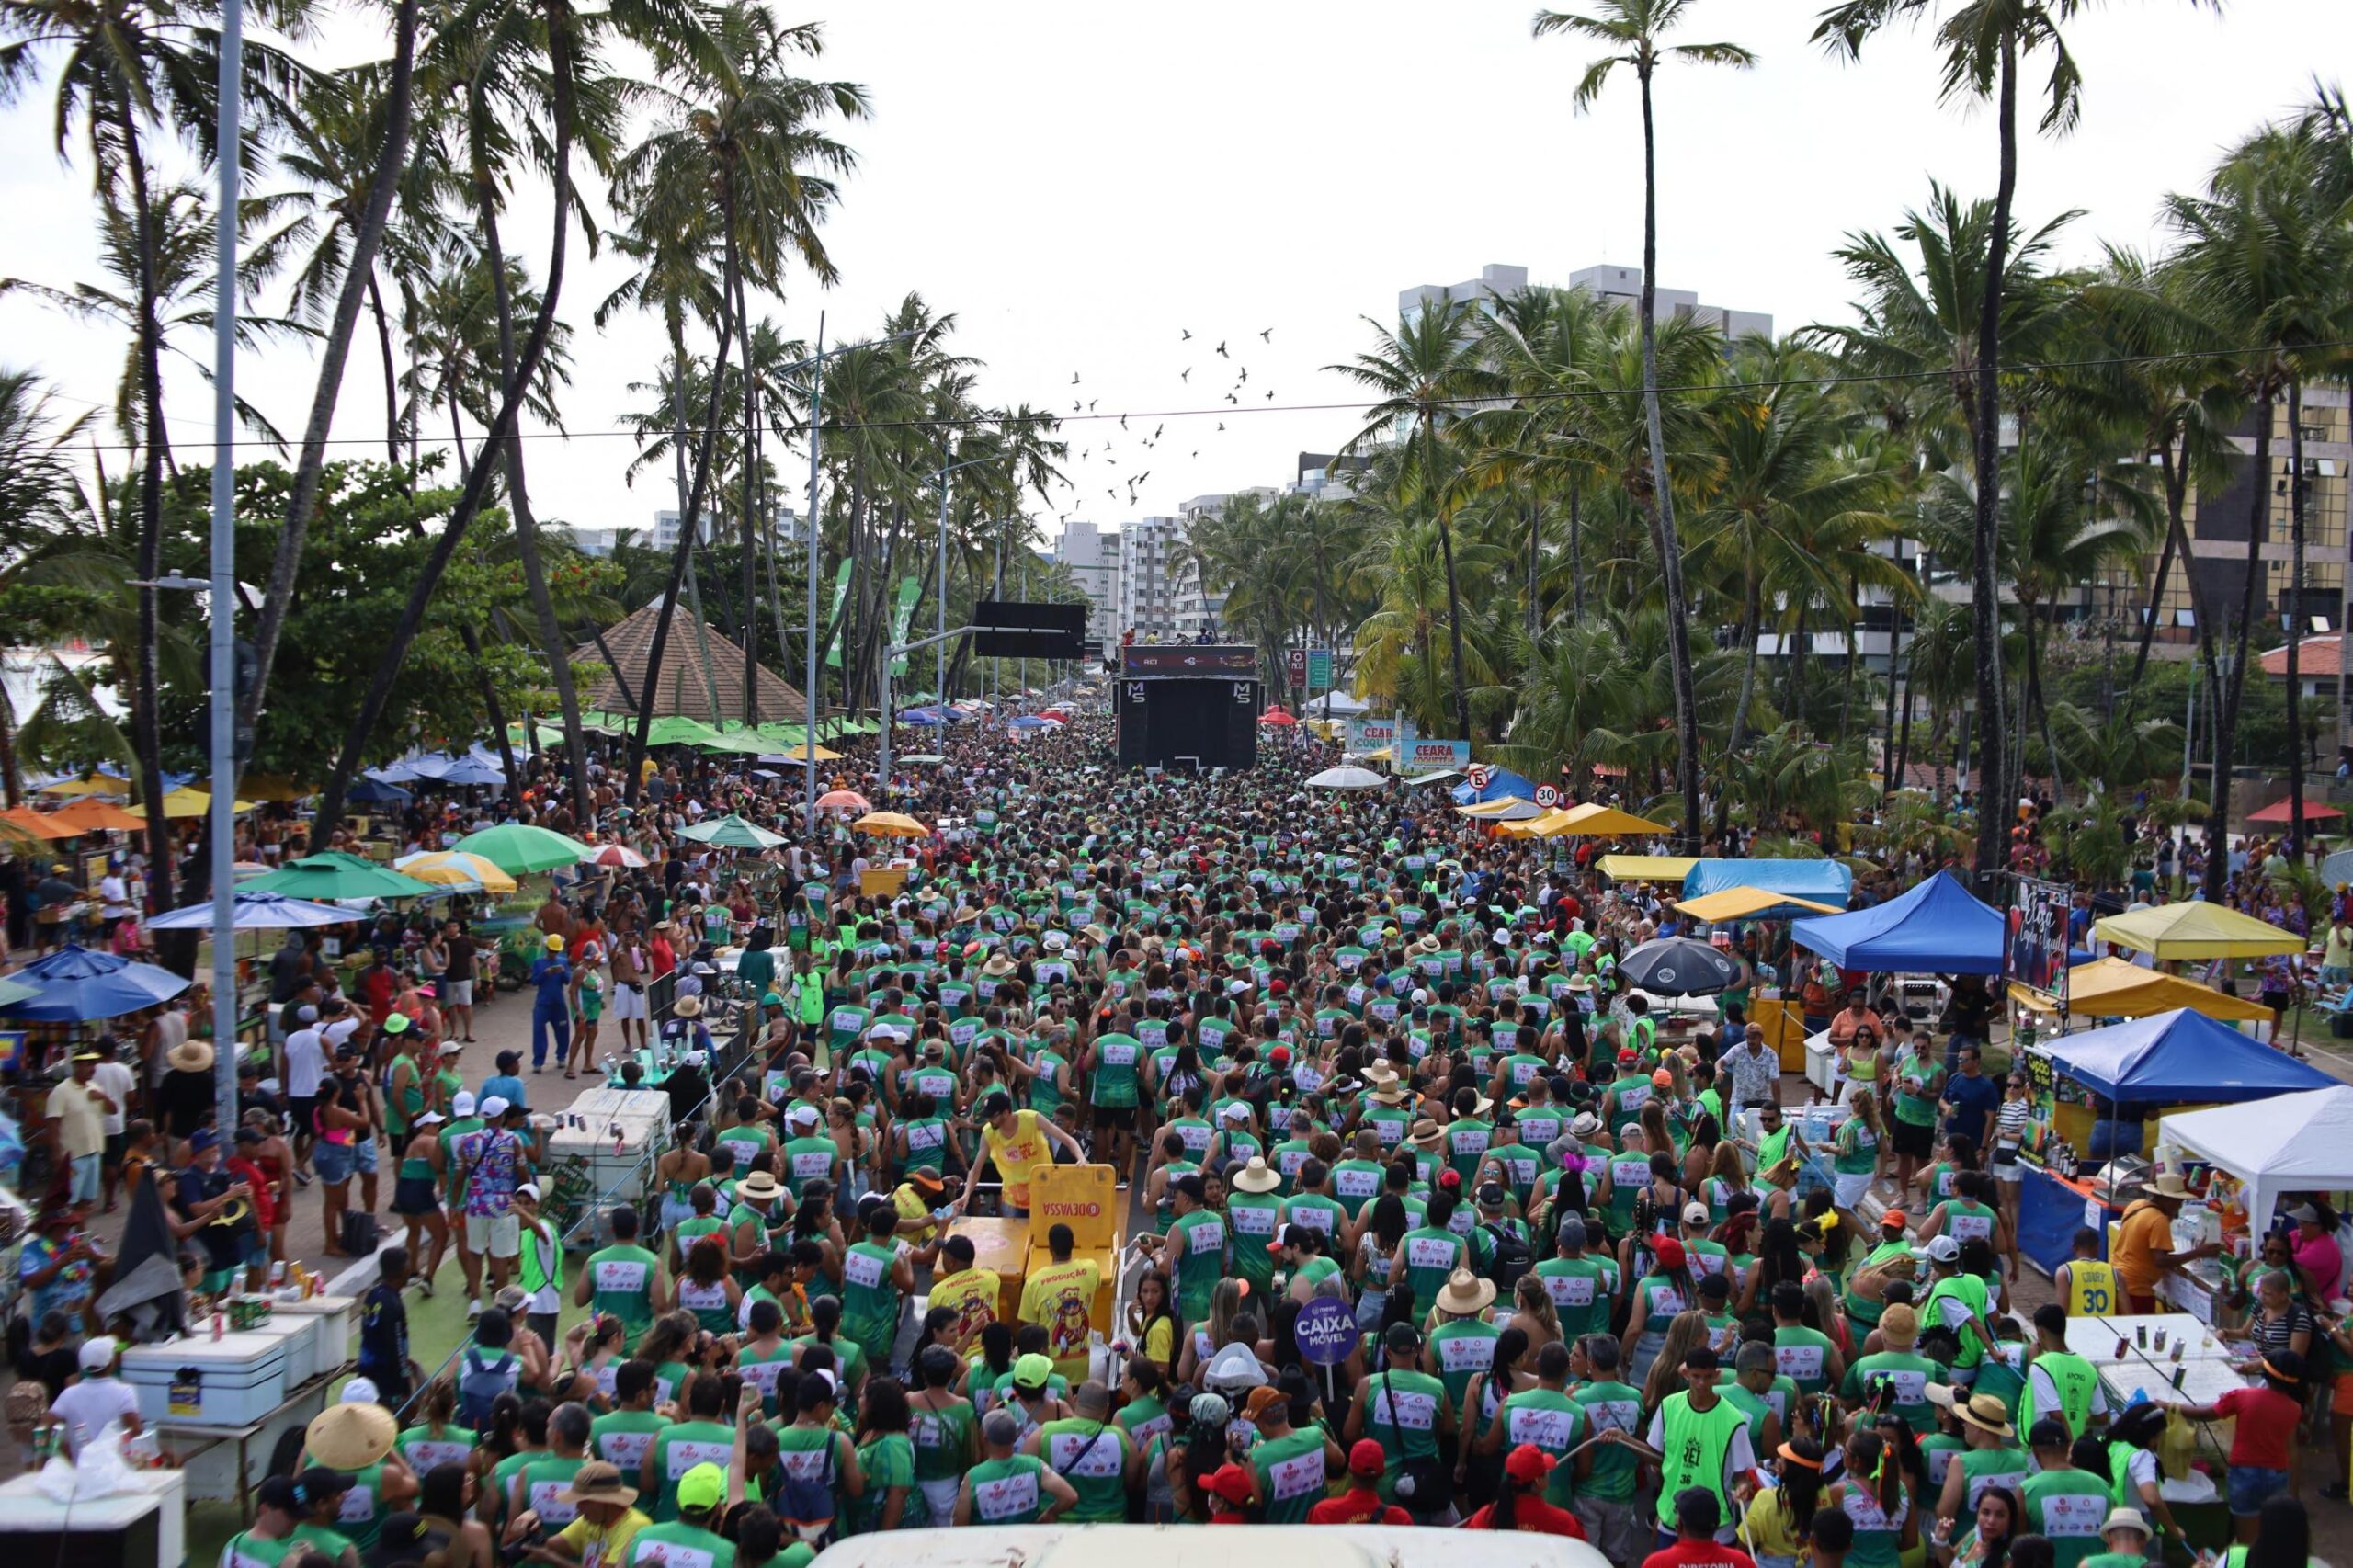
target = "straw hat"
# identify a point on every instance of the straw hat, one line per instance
(998, 967)
(350, 1437)
(2168, 1184)
(1426, 1134)
(597, 1481)
(758, 1188)
(1380, 1074)
(192, 1056)
(687, 1008)
(1392, 1093)
(1465, 1294)
(1255, 1177)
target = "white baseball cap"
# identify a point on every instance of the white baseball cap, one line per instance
(360, 1390)
(461, 1103)
(98, 1353)
(493, 1108)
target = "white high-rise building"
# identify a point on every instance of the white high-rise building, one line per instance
(1147, 586)
(1092, 559)
(1619, 285)
(789, 528)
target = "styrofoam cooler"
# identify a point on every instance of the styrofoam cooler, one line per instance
(601, 1105)
(231, 1382)
(338, 1320)
(623, 1127)
(300, 1337)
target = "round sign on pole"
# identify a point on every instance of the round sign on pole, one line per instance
(1477, 774)
(1547, 797)
(1327, 1330)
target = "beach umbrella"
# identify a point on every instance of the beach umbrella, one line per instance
(518, 848)
(74, 983)
(369, 789)
(1276, 716)
(184, 803)
(333, 875)
(1675, 966)
(732, 832)
(1346, 778)
(95, 784)
(467, 771)
(844, 800)
(29, 823)
(891, 824)
(2285, 811)
(617, 855)
(449, 868)
(1606, 822)
(255, 911)
(92, 815)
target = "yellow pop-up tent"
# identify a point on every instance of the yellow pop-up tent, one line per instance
(1646, 867)
(1751, 903)
(2195, 931)
(2118, 988)
(1608, 822)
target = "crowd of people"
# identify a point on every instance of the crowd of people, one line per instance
(1346, 1047)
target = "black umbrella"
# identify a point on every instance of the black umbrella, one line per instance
(1675, 966)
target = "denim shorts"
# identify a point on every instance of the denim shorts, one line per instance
(2252, 1487)
(336, 1162)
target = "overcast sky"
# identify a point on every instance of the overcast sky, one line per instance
(1080, 183)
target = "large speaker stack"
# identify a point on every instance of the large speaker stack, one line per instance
(1188, 707)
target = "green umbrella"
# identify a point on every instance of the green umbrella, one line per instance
(737, 739)
(678, 731)
(334, 875)
(732, 832)
(516, 848)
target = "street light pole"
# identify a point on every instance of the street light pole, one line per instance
(222, 833)
(939, 663)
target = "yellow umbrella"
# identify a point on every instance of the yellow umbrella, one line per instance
(1550, 824)
(455, 868)
(272, 787)
(1748, 903)
(1607, 822)
(95, 784)
(2118, 988)
(891, 824)
(1510, 808)
(2195, 931)
(184, 802)
(1646, 867)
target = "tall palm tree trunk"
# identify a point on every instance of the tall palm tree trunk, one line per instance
(1453, 589)
(519, 495)
(1576, 546)
(1670, 548)
(147, 729)
(480, 473)
(749, 564)
(2226, 712)
(689, 509)
(1986, 454)
(360, 270)
(2157, 582)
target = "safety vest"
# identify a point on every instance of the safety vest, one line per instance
(2091, 1289)
(2075, 1380)
(1697, 1443)
(537, 1274)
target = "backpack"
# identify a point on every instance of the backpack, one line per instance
(479, 1384)
(805, 1505)
(1511, 1257)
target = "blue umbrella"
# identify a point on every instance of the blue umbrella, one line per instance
(75, 983)
(370, 788)
(466, 770)
(256, 911)
(1031, 722)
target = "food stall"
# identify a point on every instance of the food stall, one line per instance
(1936, 928)
(2167, 1060)
(2248, 1159)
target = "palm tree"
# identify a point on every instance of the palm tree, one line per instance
(39, 504)
(748, 141)
(1419, 374)
(1981, 42)
(1634, 28)
(2271, 262)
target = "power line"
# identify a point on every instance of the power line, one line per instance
(1572, 394)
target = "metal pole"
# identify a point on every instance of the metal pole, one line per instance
(996, 587)
(223, 829)
(882, 756)
(816, 406)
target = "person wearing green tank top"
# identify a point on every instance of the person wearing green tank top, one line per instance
(1091, 1452)
(1289, 1466)
(1253, 1213)
(1407, 1413)
(682, 1446)
(1872, 1496)
(1009, 1488)
(1463, 1343)
(541, 1484)
(1545, 1417)
(700, 1494)
(877, 1280)
(267, 1542)
(623, 1279)
(2065, 1505)
(1195, 1248)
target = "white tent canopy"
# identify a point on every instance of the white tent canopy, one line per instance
(2301, 1142)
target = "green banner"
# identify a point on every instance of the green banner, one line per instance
(910, 590)
(841, 591)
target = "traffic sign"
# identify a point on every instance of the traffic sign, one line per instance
(1547, 797)
(1327, 1330)
(1477, 774)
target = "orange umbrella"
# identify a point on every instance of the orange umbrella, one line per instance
(842, 799)
(40, 824)
(90, 814)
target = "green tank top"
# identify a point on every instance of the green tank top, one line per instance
(1463, 1348)
(1878, 1532)
(1698, 1441)
(1092, 1458)
(1611, 1478)
(1203, 1264)
(1113, 1081)
(415, 1169)
(943, 1440)
(810, 1454)
(870, 1301)
(623, 1279)
(1292, 1479)
(1402, 1418)
(542, 1481)
(1250, 1219)
(1006, 1491)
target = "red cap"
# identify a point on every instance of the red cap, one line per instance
(1277, 986)
(1528, 1463)
(1669, 1250)
(1626, 1053)
(1230, 1482)
(1367, 1458)
(1280, 1056)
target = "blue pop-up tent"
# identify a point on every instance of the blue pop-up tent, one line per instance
(2172, 1058)
(1938, 928)
(1825, 882)
(1502, 784)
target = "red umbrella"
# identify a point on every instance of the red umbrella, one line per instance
(2283, 811)
(617, 855)
(1276, 716)
(842, 799)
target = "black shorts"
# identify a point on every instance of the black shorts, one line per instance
(1911, 1138)
(111, 1157)
(1122, 1118)
(303, 1110)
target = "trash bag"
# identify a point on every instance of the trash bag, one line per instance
(2177, 1446)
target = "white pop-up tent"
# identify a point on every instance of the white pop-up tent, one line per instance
(2301, 1142)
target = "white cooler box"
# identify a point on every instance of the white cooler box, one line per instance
(300, 1335)
(624, 1127)
(338, 1320)
(231, 1382)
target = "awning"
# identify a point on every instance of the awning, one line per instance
(1751, 903)
(2195, 930)
(1646, 867)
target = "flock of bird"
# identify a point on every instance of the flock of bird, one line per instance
(1105, 453)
